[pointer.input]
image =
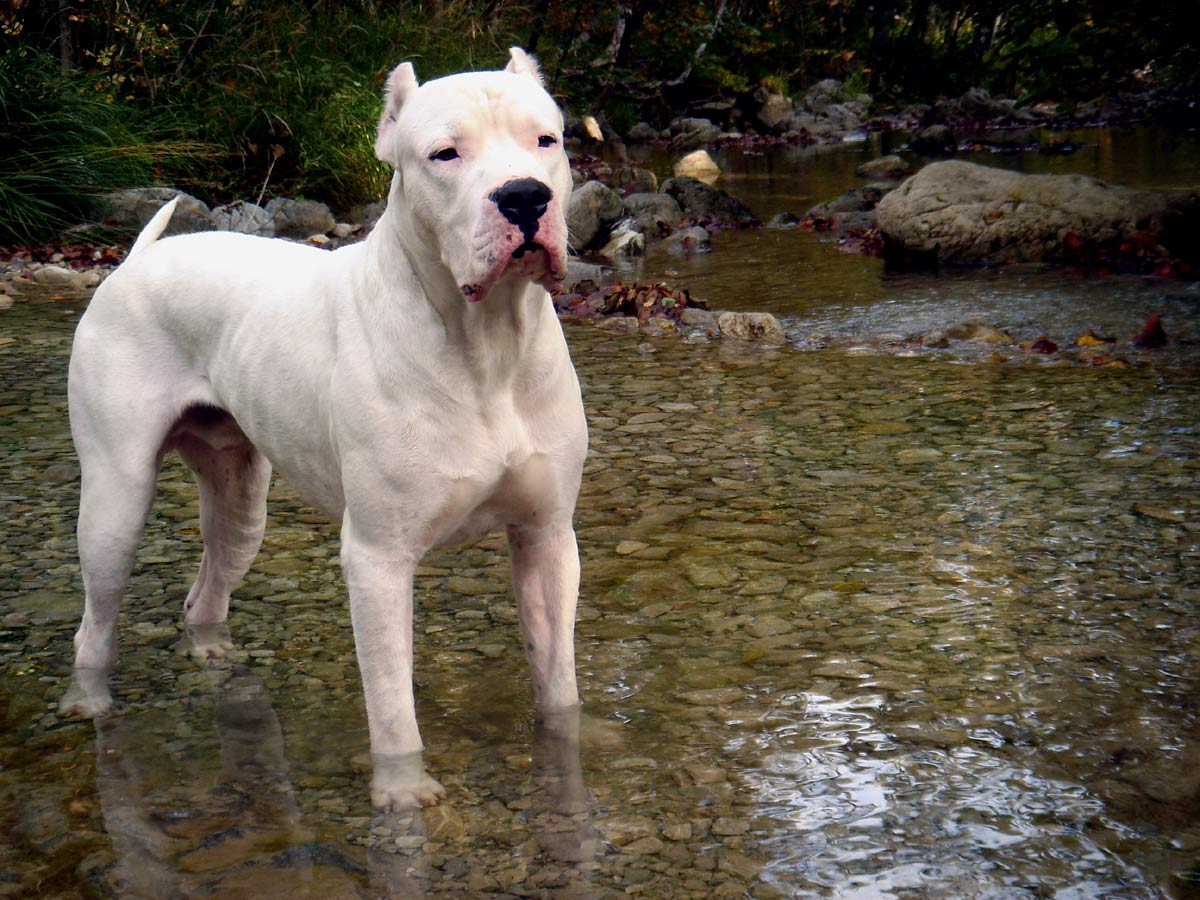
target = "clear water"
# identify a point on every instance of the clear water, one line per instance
(851, 626)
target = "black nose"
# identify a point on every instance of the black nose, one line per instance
(523, 201)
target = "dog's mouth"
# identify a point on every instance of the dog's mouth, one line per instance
(527, 247)
(530, 259)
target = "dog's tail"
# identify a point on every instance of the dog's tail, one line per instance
(155, 227)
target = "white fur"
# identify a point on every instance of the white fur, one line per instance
(416, 386)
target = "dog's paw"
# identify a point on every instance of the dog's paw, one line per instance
(203, 642)
(401, 784)
(87, 696)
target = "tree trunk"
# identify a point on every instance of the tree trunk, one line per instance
(66, 44)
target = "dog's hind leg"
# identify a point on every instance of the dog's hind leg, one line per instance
(115, 497)
(233, 478)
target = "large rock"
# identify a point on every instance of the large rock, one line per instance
(774, 111)
(244, 218)
(132, 209)
(300, 219)
(960, 212)
(818, 98)
(759, 327)
(708, 204)
(697, 164)
(591, 211)
(653, 214)
(889, 168)
(690, 134)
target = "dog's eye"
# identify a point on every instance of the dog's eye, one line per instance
(547, 140)
(444, 155)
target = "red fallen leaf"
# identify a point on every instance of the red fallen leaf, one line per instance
(1152, 336)
(1044, 345)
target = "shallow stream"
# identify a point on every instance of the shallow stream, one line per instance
(852, 625)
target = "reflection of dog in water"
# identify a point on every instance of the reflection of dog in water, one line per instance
(233, 827)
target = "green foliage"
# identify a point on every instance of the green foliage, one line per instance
(241, 99)
(62, 144)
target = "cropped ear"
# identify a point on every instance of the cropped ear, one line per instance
(401, 83)
(521, 62)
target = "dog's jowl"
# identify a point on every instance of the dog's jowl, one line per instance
(416, 387)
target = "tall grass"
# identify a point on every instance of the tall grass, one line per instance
(225, 100)
(62, 145)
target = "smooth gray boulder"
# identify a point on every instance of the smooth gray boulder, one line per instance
(244, 217)
(133, 208)
(300, 219)
(653, 214)
(708, 204)
(960, 212)
(593, 209)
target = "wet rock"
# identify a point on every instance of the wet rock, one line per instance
(960, 212)
(633, 180)
(699, 318)
(699, 165)
(622, 830)
(653, 213)
(729, 827)
(852, 211)
(774, 111)
(689, 134)
(689, 240)
(708, 204)
(593, 208)
(624, 241)
(759, 327)
(578, 270)
(975, 329)
(738, 865)
(886, 168)
(642, 133)
(300, 219)
(783, 219)
(934, 139)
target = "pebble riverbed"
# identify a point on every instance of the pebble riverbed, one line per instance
(851, 626)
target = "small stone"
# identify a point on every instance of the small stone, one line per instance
(728, 827)
(678, 831)
(738, 865)
(647, 846)
(626, 547)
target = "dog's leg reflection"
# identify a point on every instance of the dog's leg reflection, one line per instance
(398, 865)
(173, 837)
(567, 834)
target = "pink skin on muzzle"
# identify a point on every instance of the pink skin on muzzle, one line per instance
(543, 260)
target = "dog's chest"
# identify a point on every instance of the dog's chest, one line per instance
(515, 485)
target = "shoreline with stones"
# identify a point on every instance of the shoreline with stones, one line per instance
(617, 209)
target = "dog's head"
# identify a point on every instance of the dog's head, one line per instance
(480, 172)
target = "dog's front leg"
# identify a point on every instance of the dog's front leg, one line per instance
(380, 582)
(545, 564)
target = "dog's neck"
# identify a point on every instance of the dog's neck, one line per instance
(490, 336)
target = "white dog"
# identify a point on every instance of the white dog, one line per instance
(417, 386)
